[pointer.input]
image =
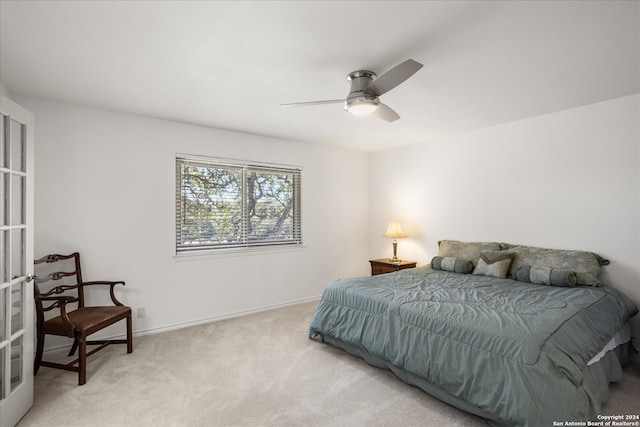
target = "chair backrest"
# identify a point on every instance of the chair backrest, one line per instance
(72, 275)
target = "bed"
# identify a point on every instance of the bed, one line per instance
(515, 334)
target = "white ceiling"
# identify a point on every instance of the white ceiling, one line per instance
(230, 64)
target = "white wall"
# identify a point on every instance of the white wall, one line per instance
(105, 186)
(3, 90)
(567, 180)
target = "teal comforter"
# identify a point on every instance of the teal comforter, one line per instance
(518, 352)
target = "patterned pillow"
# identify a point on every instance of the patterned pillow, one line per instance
(456, 265)
(469, 251)
(586, 265)
(494, 264)
(546, 276)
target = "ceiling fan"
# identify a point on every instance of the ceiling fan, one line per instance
(363, 97)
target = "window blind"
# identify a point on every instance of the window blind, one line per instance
(222, 204)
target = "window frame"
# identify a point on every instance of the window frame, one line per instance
(245, 244)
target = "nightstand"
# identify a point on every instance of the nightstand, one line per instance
(384, 265)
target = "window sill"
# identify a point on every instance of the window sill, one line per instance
(235, 252)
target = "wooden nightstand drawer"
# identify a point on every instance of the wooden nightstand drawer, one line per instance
(384, 265)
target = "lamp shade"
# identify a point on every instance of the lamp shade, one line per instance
(394, 231)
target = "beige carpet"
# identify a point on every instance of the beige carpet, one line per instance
(257, 370)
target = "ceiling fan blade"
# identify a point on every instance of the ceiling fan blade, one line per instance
(394, 77)
(386, 113)
(303, 104)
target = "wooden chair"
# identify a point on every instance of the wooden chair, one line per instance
(76, 323)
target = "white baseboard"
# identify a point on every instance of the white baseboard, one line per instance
(176, 326)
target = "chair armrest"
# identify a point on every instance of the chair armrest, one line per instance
(106, 282)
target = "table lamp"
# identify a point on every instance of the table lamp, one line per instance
(395, 232)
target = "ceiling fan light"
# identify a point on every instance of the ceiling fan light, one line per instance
(361, 107)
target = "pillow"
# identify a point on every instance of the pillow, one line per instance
(456, 265)
(494, 264)
(469, 251)
(546, 276)
(586, 265)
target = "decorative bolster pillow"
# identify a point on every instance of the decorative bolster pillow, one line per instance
(546, 276)
(456, 265)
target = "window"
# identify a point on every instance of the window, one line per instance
(230, 204)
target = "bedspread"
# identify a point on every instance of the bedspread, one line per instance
(516, 351)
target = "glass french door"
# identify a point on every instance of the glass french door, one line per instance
(16, 262)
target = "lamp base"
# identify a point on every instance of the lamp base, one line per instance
(395, 259)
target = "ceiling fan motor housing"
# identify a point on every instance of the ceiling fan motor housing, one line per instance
(359, 101)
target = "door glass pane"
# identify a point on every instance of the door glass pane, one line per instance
(3, 292)
(16, 362)
(17, 299)
(17, 142)
(4, 218)
(2, 352)
(3, 145)
(4, 256)
(17, 200)
(17, 249)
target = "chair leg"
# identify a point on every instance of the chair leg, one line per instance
(39, 349)
(82, 360)
(74, 347)
(129, 335)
